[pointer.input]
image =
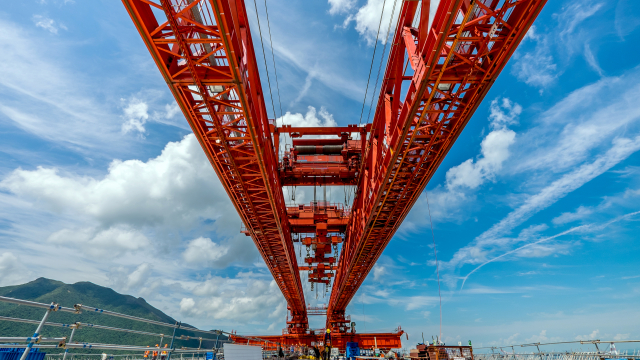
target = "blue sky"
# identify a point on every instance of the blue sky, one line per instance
(535, 209)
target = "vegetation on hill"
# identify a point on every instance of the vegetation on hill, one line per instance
(46, 291)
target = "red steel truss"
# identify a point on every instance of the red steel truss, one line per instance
(437, 74)
(452, 65)
(205, 54)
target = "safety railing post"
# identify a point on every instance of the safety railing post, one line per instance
(172, 338)
(73, 331)
(52, 307)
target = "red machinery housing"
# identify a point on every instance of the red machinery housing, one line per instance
(437, 74)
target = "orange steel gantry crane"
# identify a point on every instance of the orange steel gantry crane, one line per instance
(437, 74)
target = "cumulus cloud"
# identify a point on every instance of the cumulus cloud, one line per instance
(593, 336)
(378, 272)
(127, 279)
(11, 270)
(367, 20)
(494, 149)
(205, 252)
(312, 118)
(472, 173)
(136, 114)
(178, 188)
(110, 242)
(133, 205)
(202, 250)
(247, 297)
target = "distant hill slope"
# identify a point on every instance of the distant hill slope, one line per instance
(87, 293)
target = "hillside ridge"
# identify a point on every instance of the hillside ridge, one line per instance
(87, 293)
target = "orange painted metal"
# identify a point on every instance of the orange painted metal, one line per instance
(204, 51)
(320, 227)
(452, 65)
(326, 161)
(383, 341)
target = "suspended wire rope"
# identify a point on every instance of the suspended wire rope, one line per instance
(264, 56)
(275, 69)
(435, 254)
(384, 49)
(375, 47)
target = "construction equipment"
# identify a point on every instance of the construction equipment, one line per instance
(437, 74)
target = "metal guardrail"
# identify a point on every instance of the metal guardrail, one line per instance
(67, 343)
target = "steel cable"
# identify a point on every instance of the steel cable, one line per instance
(264, 56)
(435, 253)
(366, 91)
(384, 49)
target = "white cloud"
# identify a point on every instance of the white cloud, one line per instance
(627, 17)
(247, 297)
(487, 242)
(620, 150)
(171, 110)
(53, 101)
(340, 6)
(592, 336)
(48, 24)
(472, 173)
(110, 242)
(620, 337)
(136, 114)
(494, 148)
(178, 188)
(568, 217)
(572, 16)
(536, 68)
(591, 59)
(11, 270)
(203, 250)
(368, 20)
(542, 337)
(136, 279)
(378, 272)
(312, 118)
(574, 126)
(531, 34)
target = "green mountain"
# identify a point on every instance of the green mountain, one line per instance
(46, 291)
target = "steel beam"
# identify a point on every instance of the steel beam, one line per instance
(204, 51)
(452, 66)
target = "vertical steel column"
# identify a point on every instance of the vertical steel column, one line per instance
(52, 307)
(73, 331)
(172, 338)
